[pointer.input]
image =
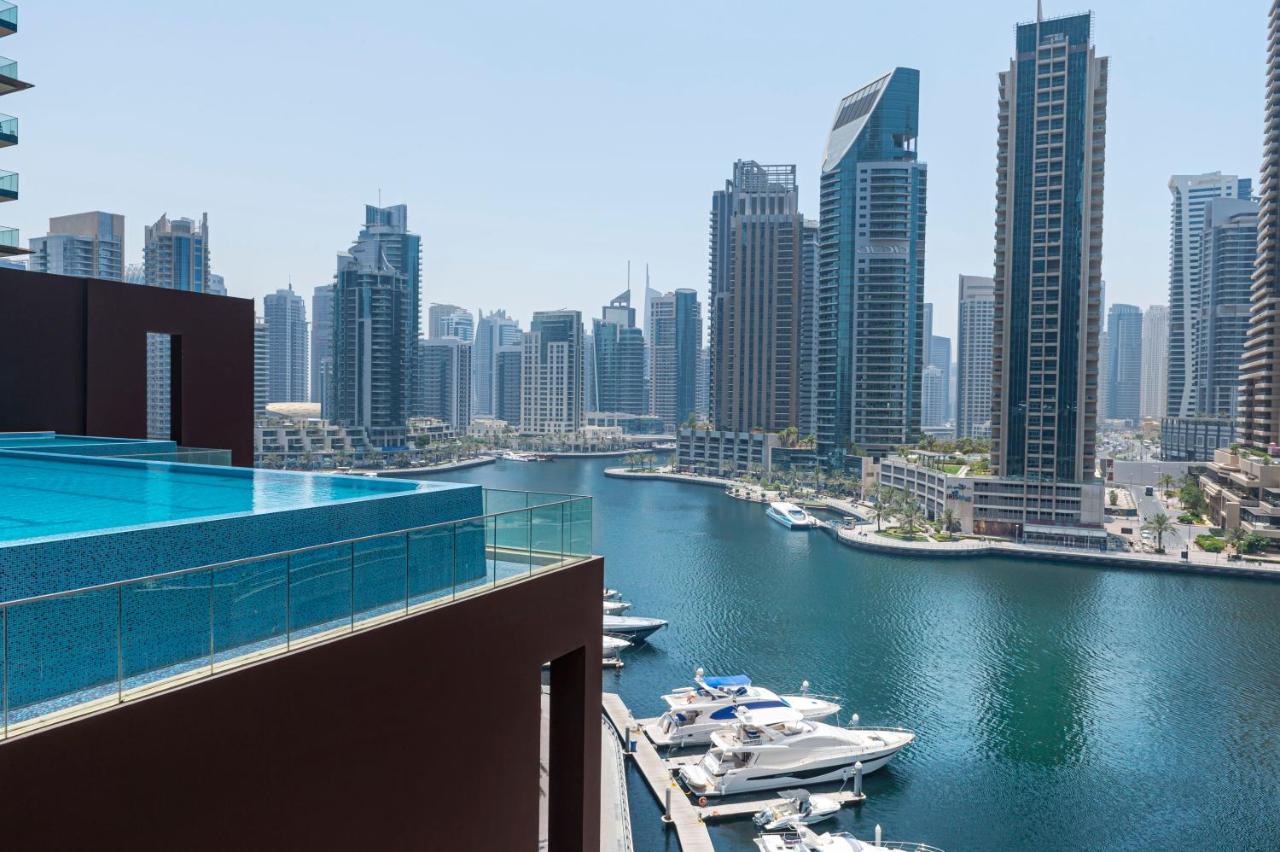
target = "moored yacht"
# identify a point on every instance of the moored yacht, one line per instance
(791, 516)
(693, 712)
(634, 628)
(777, 746)
(615, 607)
(805, 840)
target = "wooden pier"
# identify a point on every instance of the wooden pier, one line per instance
(689, 820)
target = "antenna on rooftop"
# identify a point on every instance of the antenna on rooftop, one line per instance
(1039, 11)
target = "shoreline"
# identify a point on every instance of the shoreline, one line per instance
(860, 537)
(414, 472)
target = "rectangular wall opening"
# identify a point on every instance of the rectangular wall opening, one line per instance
(164, 386)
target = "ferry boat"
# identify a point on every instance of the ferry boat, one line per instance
(694, 712)
(791, 516)
(777, 746)
(805, 840)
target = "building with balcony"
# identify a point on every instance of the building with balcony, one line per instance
(973, 351)
(443, 380)
(552, 400)
(450, 321)
(675, 322)
(724, 452)
(10, 83)
(84, 245)
(322, 345)
(494, 331)
(286, 315)
(1155, 362)
(1243, 489)
(615, 360)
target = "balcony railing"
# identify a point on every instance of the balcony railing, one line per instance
(75, 652)
(8, 130)
(8, 186)
(8, 18)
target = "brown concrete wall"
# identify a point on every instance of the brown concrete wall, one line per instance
(421, 734)
(74, 351)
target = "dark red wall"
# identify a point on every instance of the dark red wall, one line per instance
(421, 734)
(74, 359)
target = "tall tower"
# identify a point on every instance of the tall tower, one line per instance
(756, 290)
(375, 326)
(9, 83)
(1124, 354)
(616, 360)
(973, 356)
(1048, 262)
(551, 387)
(676, 320)
(86, 245)
(1189, 195)
(1155, 361)
(1260, 364)
(493, 331)
(322, 346)
(871, 344)
(286, 315)
(1228, 256)
(450, 321)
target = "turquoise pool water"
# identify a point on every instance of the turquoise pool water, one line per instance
(47, 495)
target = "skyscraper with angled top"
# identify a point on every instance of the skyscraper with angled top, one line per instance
(871, 271)
(616, 360)
(1048, 264)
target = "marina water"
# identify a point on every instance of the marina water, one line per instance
(1057, 706)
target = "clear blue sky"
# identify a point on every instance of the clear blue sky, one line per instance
(541, 146)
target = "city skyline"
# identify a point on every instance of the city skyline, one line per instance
(955, 49)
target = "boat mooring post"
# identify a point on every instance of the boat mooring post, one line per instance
(666, 804)
(858, 795)
(632, 729)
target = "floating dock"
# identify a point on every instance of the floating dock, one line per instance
(689, 820)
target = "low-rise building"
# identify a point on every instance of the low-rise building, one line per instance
(1243, 490)
(1195, 438)
(307, 441)
(715, 452)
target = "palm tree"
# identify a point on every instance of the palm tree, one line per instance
(948, 520)
(1159, 524)
(1166, 484)
(908, 514)
(1237, 538)
(882, 507)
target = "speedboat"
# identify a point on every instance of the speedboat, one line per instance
(518, 457)
(612, 594)
(612, 645)
(804, 840)
(796, 808)
(777, 745)
(791, 516)
(693, 712)
(615, 607)
(635, 629)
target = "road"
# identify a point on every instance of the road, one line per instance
(1149, 507)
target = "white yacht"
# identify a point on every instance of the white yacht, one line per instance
(804, 840)
(612, 594)
(635, 629)
(615, 607)
(775, 746)
(795, 808)
(791, 516)
(694, 712)
(612, 645)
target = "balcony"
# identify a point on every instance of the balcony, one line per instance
(9, 81)
(8, 19)
(9, 242)
(8, 130)
(8, 186)
(75, 652)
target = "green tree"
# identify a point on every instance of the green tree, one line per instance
(909, 514)
(949, 520)
(1192, 498)
(1159, 524)
(1237, 539)
(1113, 497)
(1166, 482)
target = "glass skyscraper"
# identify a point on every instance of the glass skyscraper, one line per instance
(286, 315)
(1124, 362)
(676, 323)
(1048, 264)
(871, 344)
(616, 360)
(86, 245)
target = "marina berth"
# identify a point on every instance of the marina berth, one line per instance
(694, 712)
(804, 840)
(776, 746)
(791, 516)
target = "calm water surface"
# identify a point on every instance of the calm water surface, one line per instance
(1057, 707)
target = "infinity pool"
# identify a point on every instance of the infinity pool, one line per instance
(45, 495)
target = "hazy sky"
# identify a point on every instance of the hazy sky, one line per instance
(541, 146)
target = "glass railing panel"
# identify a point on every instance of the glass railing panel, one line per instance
(431, 555)
(8, 67)
(9, 237)
(8, 181)
(548, 533)
(165, 627)
(9, 15)
(498, 500)
(470, 562)
(250, 607)
(62, 652)
(579, 527)
(4, 674)
(379, 576)
(511, 556)
(319, 591)
(8, 125)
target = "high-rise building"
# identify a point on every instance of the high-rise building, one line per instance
(702, 401)
(286, 315)
(1155, 361)
(755, 299)
(934, 410)
(375, 326)
(1048, 265)
(551, 387)
(871, 273)
(9, 133)
(217, 285)
(973, 362)
(322, 346)
(508, 363)
(86, 245)
(443, 377)
(1124, 357)
(1104, 376)
(450, 321)
(1190, 194)
(676, 321)
(807, 417)
(175, 255)
(261, 365)
(589, 395)
(493, 331)
(933, 391)
(615, 360)
(1228, 254)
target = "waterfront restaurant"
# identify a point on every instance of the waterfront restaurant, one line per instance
(197, 654)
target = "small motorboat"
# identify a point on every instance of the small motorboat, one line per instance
(635, 629)
(612, 646)
(791, 516)
(804, 840)
(694, 712)
(777, 745)
(615, 607)
(612, 594)
(796, 807)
